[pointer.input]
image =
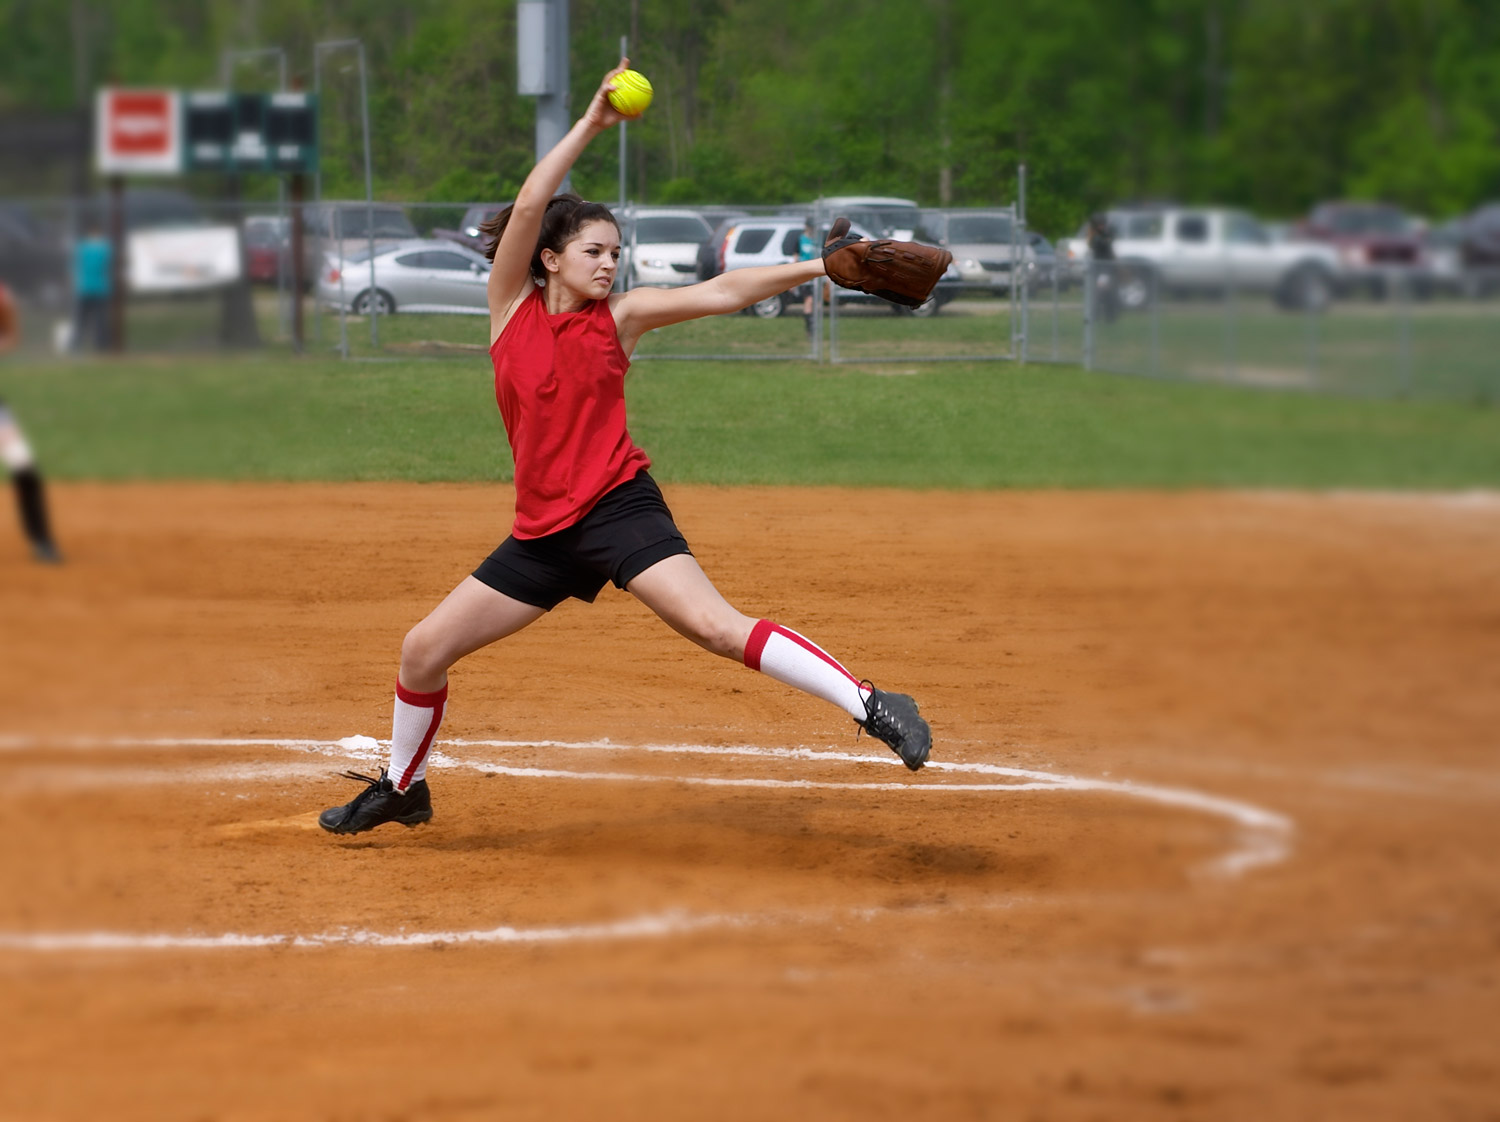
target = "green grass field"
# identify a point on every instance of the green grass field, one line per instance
(950, 425)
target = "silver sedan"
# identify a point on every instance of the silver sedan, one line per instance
(410, 276)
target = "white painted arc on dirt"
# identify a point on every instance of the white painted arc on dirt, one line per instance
(1265, 836)
(637, 927)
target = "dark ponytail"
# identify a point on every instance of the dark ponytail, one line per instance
(565, 215)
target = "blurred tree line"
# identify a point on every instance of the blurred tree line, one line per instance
(1273, 104)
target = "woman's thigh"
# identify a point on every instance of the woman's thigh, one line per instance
(678, 591)
(472, 616)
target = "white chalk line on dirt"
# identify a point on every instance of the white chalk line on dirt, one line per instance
(1264, 837)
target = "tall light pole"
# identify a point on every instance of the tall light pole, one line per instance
(227, 62)
(319, 49)
(542, 69)
(624, 45)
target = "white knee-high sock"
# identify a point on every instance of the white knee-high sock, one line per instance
(797, 661)
(413, 728)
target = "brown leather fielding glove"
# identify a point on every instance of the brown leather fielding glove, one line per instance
(902, 272)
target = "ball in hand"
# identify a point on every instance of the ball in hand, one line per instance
(632, 93)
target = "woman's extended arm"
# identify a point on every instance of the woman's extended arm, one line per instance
(642, 309)
(510, 277)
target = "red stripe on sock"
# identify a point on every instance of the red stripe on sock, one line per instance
(807, 645)
(422, 700)
(756, 644)
(432, 727)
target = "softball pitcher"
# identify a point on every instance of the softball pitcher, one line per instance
(587, 509)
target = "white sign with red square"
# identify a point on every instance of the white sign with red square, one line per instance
(138, 132)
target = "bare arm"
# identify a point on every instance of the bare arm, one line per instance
(510, 279)
(643, 309)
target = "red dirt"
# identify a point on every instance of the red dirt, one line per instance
(896, 953)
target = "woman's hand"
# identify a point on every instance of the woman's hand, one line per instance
(601, 114)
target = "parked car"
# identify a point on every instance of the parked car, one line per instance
(417, 275)
(883, 216)
(1184, 251)
(711, 249)
(762, 241)
(267, 246)
(1481, 247)
(173, 244)
(660, 246)
(1372, 240)
(467, 234)
(33, 258)
(340, 229)
(982, 244)
(773, 241)
(1044, 269)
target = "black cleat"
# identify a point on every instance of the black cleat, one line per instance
(378, 804)
(46, 553)
(893, 718)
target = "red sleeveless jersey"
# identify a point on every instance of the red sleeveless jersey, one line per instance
(560, 385)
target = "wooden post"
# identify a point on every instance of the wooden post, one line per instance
(117, 264)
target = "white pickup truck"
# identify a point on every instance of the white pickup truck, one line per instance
(1189, 250)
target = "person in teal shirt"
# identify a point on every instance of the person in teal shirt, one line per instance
(807, 249)
(93, 283)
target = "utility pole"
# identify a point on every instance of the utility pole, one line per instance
(542, 69)
(373, 305)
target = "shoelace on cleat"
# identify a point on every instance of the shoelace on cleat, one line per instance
(879, 721)
(372, 785)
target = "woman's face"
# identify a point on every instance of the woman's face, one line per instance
(587, 264)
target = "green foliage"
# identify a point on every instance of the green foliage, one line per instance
(1273, 104)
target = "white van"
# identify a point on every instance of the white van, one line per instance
(882, 215)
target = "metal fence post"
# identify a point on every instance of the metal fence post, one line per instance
(833, 324)
(1055, 351)
(817, 318)
(1020, 228)
(1404, 316)
(1010, 352)
(1090, 283)
(1153, 294)
(1231, 359)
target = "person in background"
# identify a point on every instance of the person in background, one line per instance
(1106, 280)
(807, 249)
(93, 284)
(15, 453)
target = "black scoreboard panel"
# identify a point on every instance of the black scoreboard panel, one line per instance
(240, 132)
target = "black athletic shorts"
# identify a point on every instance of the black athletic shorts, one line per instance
(627, 531)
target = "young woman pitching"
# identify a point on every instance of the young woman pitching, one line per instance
(587, 511)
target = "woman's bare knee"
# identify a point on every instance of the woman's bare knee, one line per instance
(723, 634)
(423, 664)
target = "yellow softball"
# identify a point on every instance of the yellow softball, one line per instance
(632, 93)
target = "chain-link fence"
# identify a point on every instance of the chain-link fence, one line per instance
(223, 274)
(1400, 333)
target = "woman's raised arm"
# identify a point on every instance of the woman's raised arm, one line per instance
(510, 277)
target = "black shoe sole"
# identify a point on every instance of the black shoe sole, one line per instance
(415, 818)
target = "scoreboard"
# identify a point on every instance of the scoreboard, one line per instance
(244, 132)
(168, 132)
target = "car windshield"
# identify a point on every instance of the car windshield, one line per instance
(671, 229)
(1369, 220)
(963, 229)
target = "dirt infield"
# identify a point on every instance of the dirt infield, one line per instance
(1216, 837)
